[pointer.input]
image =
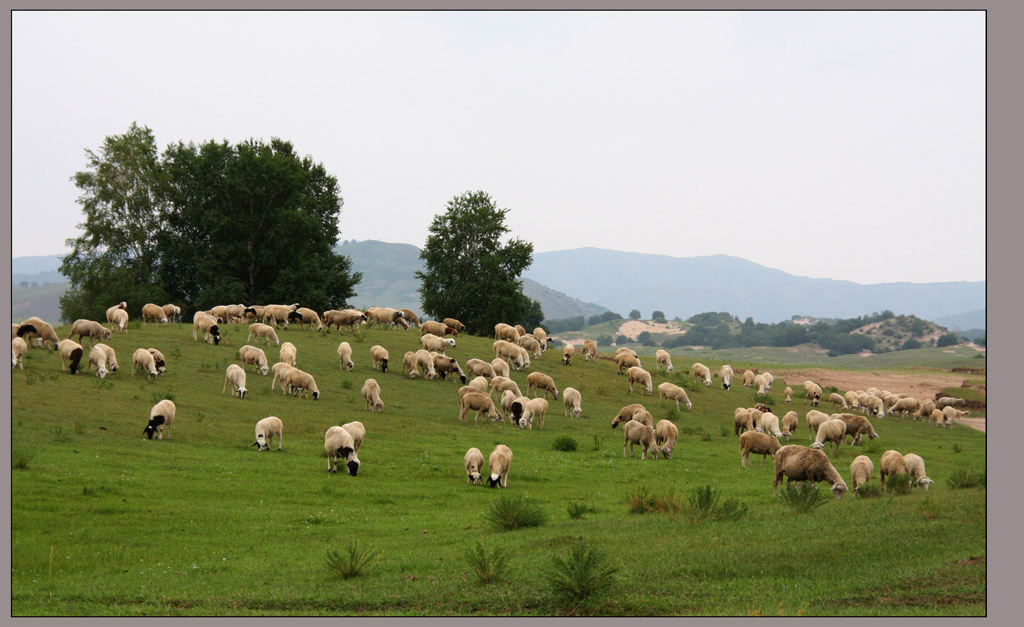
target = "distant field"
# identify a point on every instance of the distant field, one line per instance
(107, 523)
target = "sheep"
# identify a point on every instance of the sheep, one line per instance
(770, 378)
(14, 330)
(861, 469)
(455, 324)
(351, 318)
(813, 392)
(235, 375)
(236, 313)
(665, 436)
(160, 418)
(111, 362)
(589, 350)
(726, 373)
(874, 406)
(906, 406)
(638, 433)
(283, 313)
(266, 429)
(540, 381)
(915, 468)
(641, 376)
(38, 329)
(474, 461)
(508, 352)
(479, 383)
(339, 444)
(742, 420)
(445, 365)
(541, 336)
(700, 371)
(631, 412)
(409, 362)
(790, 422)
(410, 317)
(856, 426)
(946, 401)
(386, 316)
(303, 382)
(567, 353)
(172, 312)
(358, 432)
(479, 367)
(253, 312)
(573, 402)
(769, 423)
(755, 417)
(371, 392)
(253, 356)
(799, 463)
(208, 325)
(524, 355)
(892, 463)
(425, 364)
(531, 344)
(851, 400)
(925, 410)
(520, 330)
(436, 344)
(144, 359)
(815, 419)
(508, 397)
(500, 367)
(158, 358)
(833, 431)
(379, 356)
(757, 443)
(663, 360)
(287, 353)
(534, 408)
(18, 349)
(788, 393)
(345, 356)
(499, 463)
(120, 318)
(479, 402)
(748, 378)
(153, 313)
(936, 417)
(310, 317)
(950, 415)
(97, 357)
(761, 384)
(88, 328)
(627, 350)
(505, 332)
(265, 331)
(500, 384)
(437, 328)
(626, 360)
(837, 400)
(110, 311)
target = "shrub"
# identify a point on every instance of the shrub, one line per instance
(803, 497)
(576, 510)
(565, 443)
(703, 505)
(929, 508)
(20, 459)
(355, 560)
(957, 448)
(581, 574)
(597, 442)
(642, 501)
(963, 478)
(488, 567)
(346, 384)
(513, 512)
(898, 484)
(870, 490)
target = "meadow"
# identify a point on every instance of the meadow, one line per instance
(105, 522)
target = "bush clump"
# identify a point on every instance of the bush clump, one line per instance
(488, 566)
(355, 560)
(565, 443)
(580, 575)
(803, 497)
(514, 512)
(898, 484)
(963, 478)
(705, 504)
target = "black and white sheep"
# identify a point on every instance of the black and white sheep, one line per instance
(499, 463)
(474, 462)
(234, 375)
(160, 418)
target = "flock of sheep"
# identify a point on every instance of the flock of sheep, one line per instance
(759, 430)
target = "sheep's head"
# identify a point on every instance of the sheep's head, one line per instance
(494, 480)
(725, 386)
(316, 395)
(818, 445)
(241, 392)
(666, 452)
(924, 482)
(525, 422)
(261, 442)
(462, 377)
(353, 466)
(839, 489)
(263, 369)
(101, 372)
(474, 478)
(689, 405)
(154, 423)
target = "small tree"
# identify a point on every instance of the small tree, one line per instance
(911, 344)
(949, 339)
(657, 313)
(635, 314)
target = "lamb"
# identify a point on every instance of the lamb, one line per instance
(815, 419)
(700, 371)
(120, 318)
(509, 352)
(351, 318)
(788, 392)
(265, 331)
(531, 344)
(799, 463)
(88, 328)
(235, 375)
(279, 369)
(287, 353)
(153, 313)
(789, 424)
(573, 401)
(892, 463)
(947, 401)
(500, 384)
(630, 412)
(589, 350)
(837, 400)
(664, 360)
(173, 312)
(857, 426)
(479, 383)
(861, 469)
(567, 353)
(339, 444)
(208, 325)
(833, 431)
(641, 376)
(445, 365)
(97, 357)
(371, 392)
(915, 468)
(266, 429)
(479, 402)
(626, 360)
(160, 418)
(253, 356)
(111, 362)
(638, 433)
(748, 378)
(499, 463)
(505, 332)
(410, 317)
(813, 392)
(158, 359)
(303, 382)
(757, 443)
(761, 384)
(144, 359)
(479, 367)
(769, 423)
(436, 344)
(540, 381)
(665, 436)
(409, 362)
(310, 317)
(379, 356)
(283, 313)
(500, 367)
(474, 461)
(345, 356)
(455, 324)
(18, 349)
(425, 364)
(742, 420)
(437, 328)
(726, 373)
(39, 329)
(537, 407)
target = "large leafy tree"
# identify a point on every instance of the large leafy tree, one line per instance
(469, 274)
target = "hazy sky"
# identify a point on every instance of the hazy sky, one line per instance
(847, 145)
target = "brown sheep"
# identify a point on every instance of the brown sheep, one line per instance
(757, 443)
(799, 463)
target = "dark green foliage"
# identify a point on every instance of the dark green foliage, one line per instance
(621, 339)
(645, 339)
(803, 497)
(468, 274)
(704, 504)
(910, 344)
(657, 314)
(635, 314)
(641, 500)
(964, 478)
(561, 325)
(869, 490)
(898, 484)
(583, 573)
(353, 561)
(488, 567)
(607, 316)
(565, 443)
(513, 512)
(604, 340)
(948, 339)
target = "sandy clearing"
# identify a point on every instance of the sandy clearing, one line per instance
(633, 328)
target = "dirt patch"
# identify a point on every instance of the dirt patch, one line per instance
(974, 423)
(633, 328)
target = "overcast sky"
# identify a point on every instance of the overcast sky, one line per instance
(846, 145)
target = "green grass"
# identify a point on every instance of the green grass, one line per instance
(105, 522)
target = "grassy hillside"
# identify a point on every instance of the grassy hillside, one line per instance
(105, 522)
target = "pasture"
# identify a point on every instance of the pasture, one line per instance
(106, 522)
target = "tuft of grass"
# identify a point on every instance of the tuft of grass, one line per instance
(354, 561)
(576, 509)
(79, 427)
(929, 508)
(20, 459)
(346, 384)
(803, 497)
(964, 478)
(641, 500)
(597, 442)
(705, 504)
(156, 397)
(691, 430)
(565, 443)
(582, 574)
(489, 567)
(705, 437)
(58, 434)
(957, 448)
(870, 490)
(723, 431)
(898, 484)
(514, 512)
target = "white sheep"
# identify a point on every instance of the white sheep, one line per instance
(371, 393)
(892, 463)
(675, 393)
(310, 317)
(666, 434)
(425, 364)
(541, 336)
(663, 360)
(915, 468)
(631, 412)
(540, 381)
(279, 369)
(90, 329)
(813, 392)
(799, 463)
(455, 324)
(479, 402)
(790, 422)
(445, 365)
(110, 311)
(266, 429)
(946, 401)
(833, 431)
(386, 316)
(111, 362)
(345, 355)
(379, 357)
(153, 313)
(38, 329)
(748, 378)
(837, 400)
(534, 408)
(769, 423)
(208, 325)
(641, 376)
(234, 375)
(500, 367)
(480, 384)
(479, 367)
(253, 356)
(905, 406)
(815, 419)
(627, 360)
(97, 357)
(288, 353)
(339, 444)
(700, 371)
(160, 418)
(531, 345)
(439, 329)
(284, 313)
(350, 318)
(568, 351)
(297, 381)
(507, 398)
(436, 344)
(638, 433)
(761, 383)
(788, 393)
(950, 415)
(573, 401)
(500, 384)
(358, 432)
(505, 332)
(861, 470)
(742, 420)
(172, 312)
(265, 331)
(18, 349)
(144, 360)
(757, 443)
(474, 462)
(499, 463)
(770, 378)
(409, 363)
(509, 352)
(120, 318)
(589, 350)
(158, 358)
(726, 373)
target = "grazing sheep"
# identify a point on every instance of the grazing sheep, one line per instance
(540, 381)
(638, 433)
(371, 392)
(936, 417)
(253, 312)
(530, 343)
(856, 426)
(524, 355)
(568, 351)
(812, 392)
(158, 358)
(837, 400)
(345, 356)
(947, 401)
(436, 344)
(409, 362)
(297, 381)
(310, 317)
(425, 364)
(410, 317)
(755, 417)
(358, 432)
(339, 444)
(172, 312)
(769, 423)
(925, 410)
(505, 332)
(479, 367)
(279, 369)
(386, 316)
(627, 350)
(675, 393)
(509, 352)
(153, 313)
(520, 330)
(379, 355)
(160, 418)
(573, 402)
(950, 415)
(479, 402)
(892, 463)
(474, 462)
(266, 429)
(110, 311)
(748, 378)
(235, 375)
(626, 360)
(833, 431)
(915, 468)
(208, 325)
(445, 365)
(97, 357)
(500, 384)
(479, 383)
(861, 470)
(799, 463)
(770, 378)
(14, 330)
(757, 443)
(455, 324)
(663, 360)
(437, 328)
(350, 318)
(541, 336)
(288, 353)
(874, 406)
(18, 349)
(851, 399)
(700, 371)
(665, 436)
(534, 408)
(761, 384)
(265, 331)
(500, 367)
(589, 350)
(631, 412)
(788, 392)
(742, 420)
(906, 406)
(120, 318)
(280, 313)
(38, 329)
(641, 376)
(499, 463)
(88, 328)
(144, 359)
(111, 363)
(789, 424)
(726, 373)
(815, 419)
(252, 356)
